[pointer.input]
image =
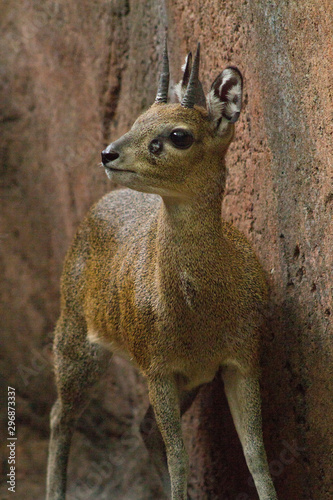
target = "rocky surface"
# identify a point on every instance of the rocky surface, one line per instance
(73, 77)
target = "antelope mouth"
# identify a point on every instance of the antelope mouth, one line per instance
(113, 169)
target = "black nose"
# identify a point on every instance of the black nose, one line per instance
(108, 156)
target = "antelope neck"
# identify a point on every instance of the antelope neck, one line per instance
(189, 233)
(191, 216)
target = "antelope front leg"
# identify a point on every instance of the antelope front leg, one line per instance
(164, 398)
(244, 400)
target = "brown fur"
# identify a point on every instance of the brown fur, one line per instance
(163, 280)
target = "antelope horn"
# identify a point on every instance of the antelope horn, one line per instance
(194, 93)
(162, 92)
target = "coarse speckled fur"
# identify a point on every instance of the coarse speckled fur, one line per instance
(155, 274)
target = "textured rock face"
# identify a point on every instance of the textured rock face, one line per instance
(73, 77)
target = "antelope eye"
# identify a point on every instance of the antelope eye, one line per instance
(181, 138)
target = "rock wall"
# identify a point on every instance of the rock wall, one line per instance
(73, 77)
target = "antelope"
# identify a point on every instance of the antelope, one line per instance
(155, 274)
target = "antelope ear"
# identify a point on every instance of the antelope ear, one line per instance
(224, 99)
(180, 87)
